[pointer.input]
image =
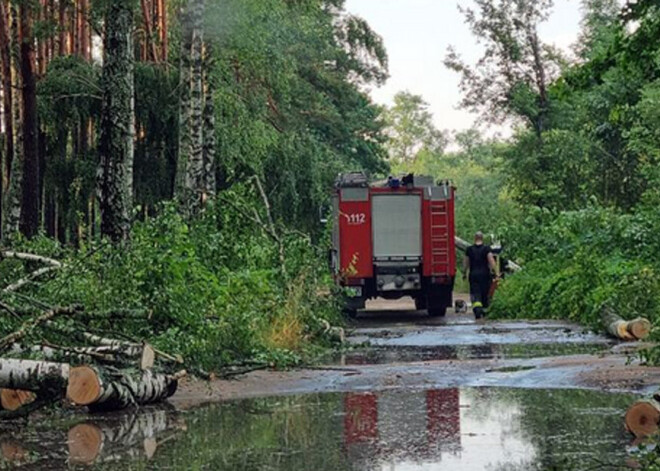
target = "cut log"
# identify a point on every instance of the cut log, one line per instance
(636, 329)
(14, 399)
(30, 375)
(107, 353)
(640, 328)
(642, 418)
(102, 391)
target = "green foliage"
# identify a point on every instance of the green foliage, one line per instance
(577, 262)
(411, 130)
(210, 290)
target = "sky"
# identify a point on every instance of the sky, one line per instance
(417, 34)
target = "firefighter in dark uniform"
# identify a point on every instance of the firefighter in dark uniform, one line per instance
(480, 263)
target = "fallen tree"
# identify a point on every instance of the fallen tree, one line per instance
(25, 329)
(51, 266)
(636, 329)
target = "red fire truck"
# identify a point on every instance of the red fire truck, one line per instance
(394, 238)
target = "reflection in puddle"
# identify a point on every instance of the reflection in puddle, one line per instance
(102, 439)
(467, 429)
(409, 354)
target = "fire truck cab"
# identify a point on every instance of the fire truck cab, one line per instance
(394, 238)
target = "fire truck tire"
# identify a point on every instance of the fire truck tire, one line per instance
(351, 313)
(438, 311)
(420, 303)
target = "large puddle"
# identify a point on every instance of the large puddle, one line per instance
(437, 429)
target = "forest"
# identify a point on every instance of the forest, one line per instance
(174, 157)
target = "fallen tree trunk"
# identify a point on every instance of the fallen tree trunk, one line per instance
(643, 417)
(636, 329)
(29, 278)
(28, 257)
(32, 323)
(104, 391)
(14, 399)
(36, 376)
(112, 353)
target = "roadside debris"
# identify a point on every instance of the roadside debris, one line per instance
(636, 329)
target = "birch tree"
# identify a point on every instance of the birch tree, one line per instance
(210, 140)
(184, 104)
(117, 130)
(195, 179)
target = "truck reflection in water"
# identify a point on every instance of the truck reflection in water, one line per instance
(419, 426)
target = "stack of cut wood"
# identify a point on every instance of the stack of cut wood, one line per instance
(89, 370)
(110, 376)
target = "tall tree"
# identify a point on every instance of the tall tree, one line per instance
(5, 70)
(185, 74)
(600, 23)
(210, 140)
(516, 69)
(195, 178)
(411, 129)
(30, 194)
(117, 121)
(12, 200)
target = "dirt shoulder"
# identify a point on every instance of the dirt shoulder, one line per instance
(609, 373)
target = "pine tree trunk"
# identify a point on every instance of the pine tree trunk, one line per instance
(12, 211)
(195, 177)
(5, 63)
(29, 221)
(184, 107)
(164, 46)
(210, 139)
(117, 130)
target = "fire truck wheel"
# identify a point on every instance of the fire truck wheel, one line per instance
(420, 303)
(437, 311)
(350, 313)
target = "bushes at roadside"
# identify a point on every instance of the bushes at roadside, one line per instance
(212, 290)
(576, 262)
